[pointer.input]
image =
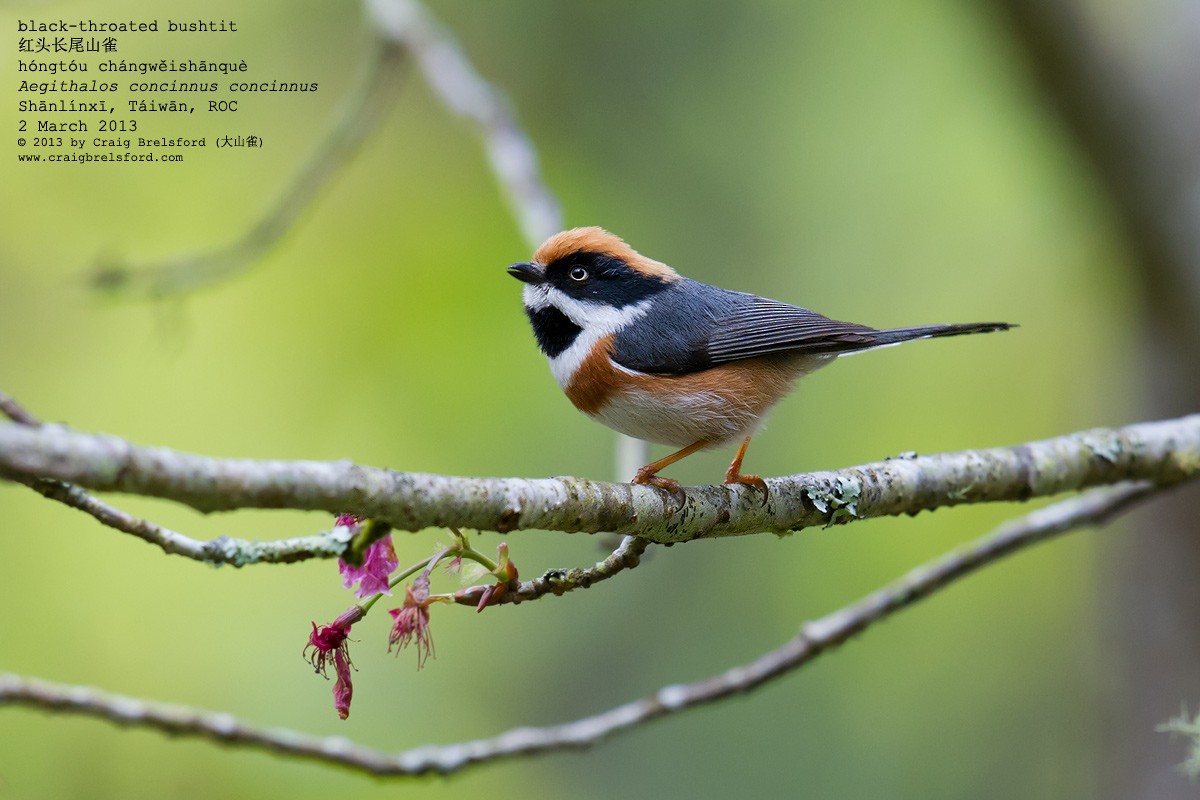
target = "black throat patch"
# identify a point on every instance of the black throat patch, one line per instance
(554, 330)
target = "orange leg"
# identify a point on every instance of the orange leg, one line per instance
(649, 474)
(734, 473)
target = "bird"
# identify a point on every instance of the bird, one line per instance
(657, 356)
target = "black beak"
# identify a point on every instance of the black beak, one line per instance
(526, 272)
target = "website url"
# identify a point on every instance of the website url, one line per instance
(88, 158)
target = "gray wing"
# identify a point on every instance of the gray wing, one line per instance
(759, 327)
(701, 326)
(693, 326)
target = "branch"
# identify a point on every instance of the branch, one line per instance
(10, 408)
(359, 119)
(1164, 453)
(814, 638)
(627, 555)
(406, 30)
(450, 74)
(1137, 124)
(331, 544)
(223, 550)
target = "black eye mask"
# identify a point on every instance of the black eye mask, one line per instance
(609, 280)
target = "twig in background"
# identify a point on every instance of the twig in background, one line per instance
(187, 272)
(406, 30)
(449, 72)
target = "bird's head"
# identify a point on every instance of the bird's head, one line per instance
(587, 280)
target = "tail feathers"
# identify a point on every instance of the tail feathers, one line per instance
(897, 335)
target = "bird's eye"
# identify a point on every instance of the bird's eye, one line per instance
(578, 274)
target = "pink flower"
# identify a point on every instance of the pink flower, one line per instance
(343, 689)
(347, 520)
(328, 643)
(372, 577)
(412, 621)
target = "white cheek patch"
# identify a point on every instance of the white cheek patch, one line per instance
(534, 296)
(597, 320)
(589, 314)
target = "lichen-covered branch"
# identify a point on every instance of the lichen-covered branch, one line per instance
(1163, 453)
(334, 543)
(222, 550)
(814, 639)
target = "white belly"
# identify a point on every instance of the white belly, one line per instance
(679, 421)
(716, 416)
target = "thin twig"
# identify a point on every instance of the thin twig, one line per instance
(222, 550)
(1163, 452)
(814, 638)
(450, 74)
(331, 544)
(627, 555)
(10, 408)
(358, 120)
(405, 30)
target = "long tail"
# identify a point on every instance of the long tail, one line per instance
(897, 335)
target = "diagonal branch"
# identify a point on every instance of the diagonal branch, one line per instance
(406, 31)
(814, 639)
(1163, 452)
(627, 555)
(464, 91)
(359, 119)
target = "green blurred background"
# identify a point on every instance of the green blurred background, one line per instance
(883, 163)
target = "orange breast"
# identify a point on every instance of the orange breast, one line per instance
(717, 404)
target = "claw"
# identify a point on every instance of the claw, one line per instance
(732, 477)
(668, 485)
(648, 475)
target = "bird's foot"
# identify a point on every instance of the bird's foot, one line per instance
(734, 476)
(646, 477)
